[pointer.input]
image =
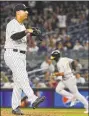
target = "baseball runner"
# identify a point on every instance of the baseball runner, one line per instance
(15, 58)
(68, 79)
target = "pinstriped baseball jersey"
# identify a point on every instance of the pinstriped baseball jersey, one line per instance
(13, 27)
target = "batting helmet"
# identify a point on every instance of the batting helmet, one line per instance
(55, 55)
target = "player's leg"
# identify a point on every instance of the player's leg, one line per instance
(80, 97)
(11, 61)
(18, 66)
(71, 85)
(16, 96)
(22, 77)
(27, 89)
(32, 98)
(23, 80)
(17, 63)
(60, 90)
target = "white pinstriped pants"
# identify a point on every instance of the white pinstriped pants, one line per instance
(17, 63)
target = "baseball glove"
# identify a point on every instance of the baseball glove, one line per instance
(37, 32)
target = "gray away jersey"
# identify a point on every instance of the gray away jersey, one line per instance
(63, 65)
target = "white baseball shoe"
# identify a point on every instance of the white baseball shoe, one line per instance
(86, 111)
(73, 102)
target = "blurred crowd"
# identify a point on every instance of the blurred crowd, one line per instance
(64, 26)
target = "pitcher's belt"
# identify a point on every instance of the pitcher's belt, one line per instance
(20, 51)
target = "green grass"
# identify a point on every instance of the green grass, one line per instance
(46, 112)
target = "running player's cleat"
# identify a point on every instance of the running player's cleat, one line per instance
(73, 102)
(86, 111)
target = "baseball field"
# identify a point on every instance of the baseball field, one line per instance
(45, 112)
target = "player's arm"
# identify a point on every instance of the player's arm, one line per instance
(58, 74)
(18, 35)
(13, 32)
(60, 69)
(72, 63)
(32, 31)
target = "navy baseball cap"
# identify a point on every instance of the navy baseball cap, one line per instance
(20, 7)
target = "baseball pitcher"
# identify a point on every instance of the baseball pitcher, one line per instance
(15, 57)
